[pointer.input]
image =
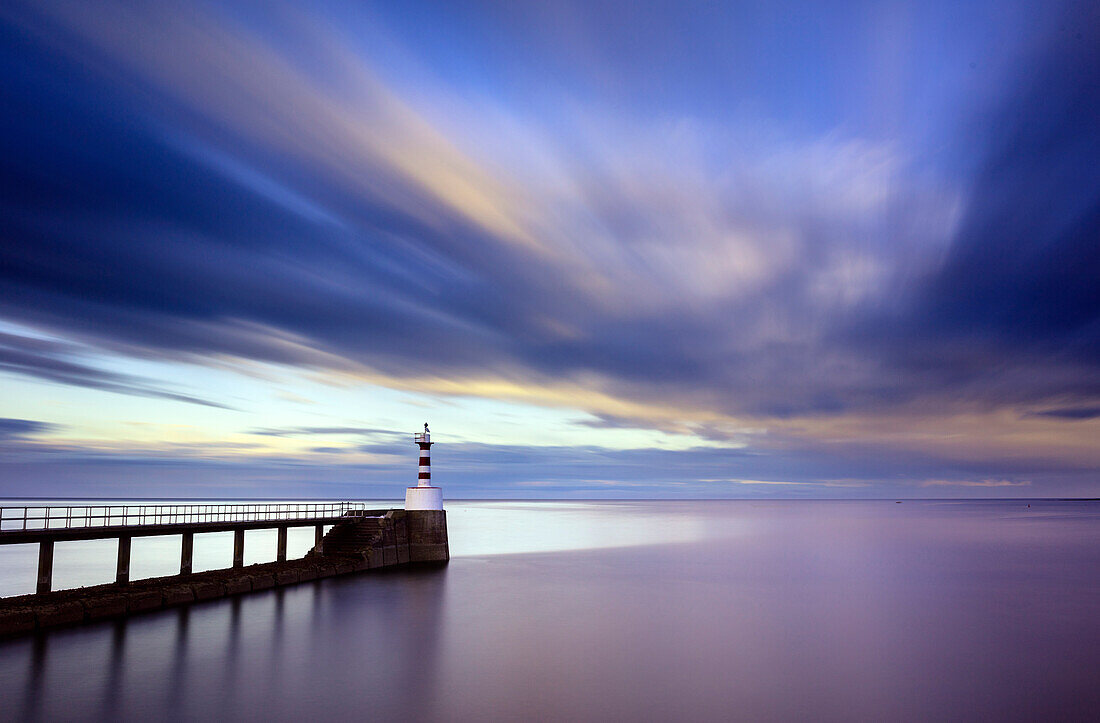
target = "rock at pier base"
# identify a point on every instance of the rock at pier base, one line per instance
(208, 590)
(104, 606)
(238, 585)
(64, 613)
(178, 595)
(13, 622)
(141, 601)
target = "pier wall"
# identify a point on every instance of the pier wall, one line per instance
(428, 536)
(400, 538)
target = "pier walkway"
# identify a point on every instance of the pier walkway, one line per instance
(48, 524)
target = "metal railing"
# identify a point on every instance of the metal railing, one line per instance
(21, 519)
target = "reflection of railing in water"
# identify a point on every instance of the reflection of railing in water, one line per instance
(22, 519)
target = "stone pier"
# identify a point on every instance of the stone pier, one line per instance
(354, 544)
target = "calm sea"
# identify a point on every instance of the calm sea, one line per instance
(613, 611)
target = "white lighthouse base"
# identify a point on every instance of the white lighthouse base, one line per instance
(423, 498)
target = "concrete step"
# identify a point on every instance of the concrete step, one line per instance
(354, 536)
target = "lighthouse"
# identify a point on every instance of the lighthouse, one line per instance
(424, 496)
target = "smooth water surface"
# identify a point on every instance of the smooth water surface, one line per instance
(630, 611)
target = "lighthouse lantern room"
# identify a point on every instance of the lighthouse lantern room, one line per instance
(424, 496)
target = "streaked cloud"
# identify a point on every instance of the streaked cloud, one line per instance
(59, 361)
(327, 431)
(521, 471)
(1069, 413)
(781, 250)
(21, 428)
(976, 483)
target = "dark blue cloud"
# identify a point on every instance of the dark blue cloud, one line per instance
(1072, 413)
(20, 428)
(136, 218)
(58, 362)
(119, 226)
(1012, 314)
(1023, 269)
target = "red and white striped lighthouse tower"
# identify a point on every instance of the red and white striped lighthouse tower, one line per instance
(424, 496)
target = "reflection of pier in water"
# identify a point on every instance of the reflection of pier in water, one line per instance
(229, 658)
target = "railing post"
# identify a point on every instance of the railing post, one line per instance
(45, 566)
(238, 548)
(280, 553)
(122, 575)
(187, 552)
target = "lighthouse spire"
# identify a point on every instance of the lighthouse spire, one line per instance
(424, 496)
(424, 441)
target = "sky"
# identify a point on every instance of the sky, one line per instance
(607, 249)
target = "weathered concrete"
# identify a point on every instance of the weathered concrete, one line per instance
(13, 622)
(139, 601)
(177, 595)
(187, 550)
(238, 548)
(238, 585)
(353, 545)
(122, 574)
(63, 613)
(427, 535)
(280, 546)
(397, 538)
(104, 606)
(263, 581)
(208, 590)
(45, 566)
(287, 577)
